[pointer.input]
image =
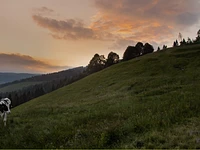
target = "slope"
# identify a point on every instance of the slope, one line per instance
(149, 102)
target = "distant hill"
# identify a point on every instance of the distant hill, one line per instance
(32, 79)
(21, 91)
(10, 77)
(149, 102)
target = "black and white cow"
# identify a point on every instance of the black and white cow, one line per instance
(5, 104)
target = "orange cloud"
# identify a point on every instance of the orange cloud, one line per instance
(145, 20)
(25, 63)
(123, 21)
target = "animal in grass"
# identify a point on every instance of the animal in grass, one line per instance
(5, 104)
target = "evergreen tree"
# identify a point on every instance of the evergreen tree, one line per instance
(177, 43)
(164, 47)
(189, 41)
(182, 43)
(174, 44)
(198, 33)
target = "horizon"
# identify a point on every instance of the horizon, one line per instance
(40, 73)
(45, 36)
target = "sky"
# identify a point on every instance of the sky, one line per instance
(43, 36)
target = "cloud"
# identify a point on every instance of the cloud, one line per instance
(70, 29)
(146, 20)
(121, 44)
(25, 63)
(123, 21)
(187, 19)
(153, 10)
(44, 11)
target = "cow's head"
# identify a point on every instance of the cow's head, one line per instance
(5, 105)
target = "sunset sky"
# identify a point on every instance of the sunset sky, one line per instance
(42, 36)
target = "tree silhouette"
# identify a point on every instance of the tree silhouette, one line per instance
(148, 48)
(176, 42)
(113, 58)
(97, 63)
(164, 47)
(174, 45)
(189, 41)
(198, 37)
(182, 43)
(180, 37)
(130, 53)
(140, 47)
(198, 33)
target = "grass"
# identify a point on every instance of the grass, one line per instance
(149, 102)
(17, 86)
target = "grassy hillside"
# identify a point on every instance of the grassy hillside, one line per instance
(149, 102)
(17, 86)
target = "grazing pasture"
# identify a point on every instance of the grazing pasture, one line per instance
(151, 101)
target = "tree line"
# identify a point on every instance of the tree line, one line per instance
(189, 41)
(99, 62)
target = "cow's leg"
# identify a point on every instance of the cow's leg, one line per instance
(4, 123)
(5, 118)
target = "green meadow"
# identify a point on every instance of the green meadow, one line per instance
(17, 86)
(152, 101)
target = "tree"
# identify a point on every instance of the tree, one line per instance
(164, 47)
(97, 63)
(130, 53)
(176, 42)
(148, 48)
(113, 58)
(198, 37)
(183, 42)
(158, 49)
(189, 41)
(198, 33)
(180, 37)
(140, 47)
(174, 45)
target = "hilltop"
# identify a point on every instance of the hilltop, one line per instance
(151, 101)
